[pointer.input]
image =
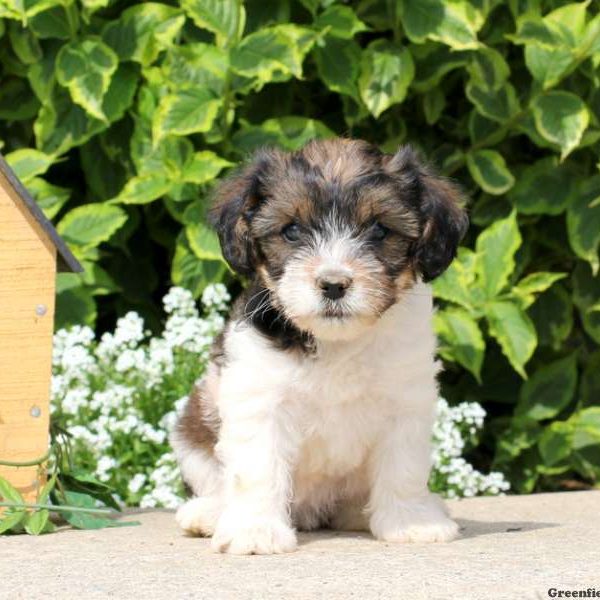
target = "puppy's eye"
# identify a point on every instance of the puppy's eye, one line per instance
(291, 232)
(378, 232)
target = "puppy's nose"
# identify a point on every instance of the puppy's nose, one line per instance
(334, 288)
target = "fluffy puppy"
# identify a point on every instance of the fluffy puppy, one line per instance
(318, 404)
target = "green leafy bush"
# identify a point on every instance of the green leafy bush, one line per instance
(120, 116)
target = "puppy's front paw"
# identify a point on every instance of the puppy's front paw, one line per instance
(252, 535)
(198, 516)
(415, 520)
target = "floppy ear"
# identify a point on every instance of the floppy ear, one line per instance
(444, 220)
(236, 200)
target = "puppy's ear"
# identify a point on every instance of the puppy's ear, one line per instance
(236, 200)
(444, 220)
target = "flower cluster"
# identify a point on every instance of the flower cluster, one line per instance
(455, 431)
(118, 398)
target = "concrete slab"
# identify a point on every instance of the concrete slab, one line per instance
(514, 547)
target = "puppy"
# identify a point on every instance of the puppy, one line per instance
(317, 407)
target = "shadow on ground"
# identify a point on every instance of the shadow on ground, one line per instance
(472, 529)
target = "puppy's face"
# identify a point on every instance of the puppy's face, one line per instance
(338, 231)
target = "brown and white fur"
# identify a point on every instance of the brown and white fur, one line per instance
(318, 405)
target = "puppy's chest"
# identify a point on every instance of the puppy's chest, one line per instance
(341, 408)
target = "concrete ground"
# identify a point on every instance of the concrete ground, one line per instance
(514, 547)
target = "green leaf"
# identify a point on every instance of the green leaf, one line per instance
(432, 62)
(8, 493)
(81, 481)
(81, 520)
(499, 105)
(188, 271)
(514, 331)
(11, 519)
(185, 112)
(44, 493)
(204, 167)
(434, 103)
(521, 435)
(203, 241)
(25, 45)
(86, 68)
(272, 53)
(456, 283)
(27, 163)
(386, 72)
(461, 339)
(583, 222)
(483, 130)
(36, 522)
(488, 69)
(561, 118)
(545, 187)
(586, 295)
(555, 44)
(91, 6)
(452, 23)
(341, 21)
(555, 443)
(590, 382)
(548, 66)
(338, 65)
(143, 189)
(291, 133)
(60, 22)
(224, 18)
(74, 306)
(17, 103)
(533, 284)
(488, 169)
(587, 423)
(143, 31)
(586, 441)
(91, 224)
(495, 254)
(197, 66)
(549, 390)
(552, 314)
(61, 124)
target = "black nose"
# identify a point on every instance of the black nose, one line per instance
(334, 290)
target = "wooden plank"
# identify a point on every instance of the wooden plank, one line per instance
(27, 281)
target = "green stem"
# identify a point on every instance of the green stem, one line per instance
(28, 463)
(228, 95)
(59, 508)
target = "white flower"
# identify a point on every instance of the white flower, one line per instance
(180, 301)
(104, 466)
(136, 483)
(75, 399)
(128, 359)
(216, 297)
(453, 428)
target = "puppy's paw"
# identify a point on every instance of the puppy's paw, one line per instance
(444, 531)
(418, 520)
(253, 535)
(198, 516)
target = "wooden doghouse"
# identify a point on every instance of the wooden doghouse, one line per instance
(31, 252)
